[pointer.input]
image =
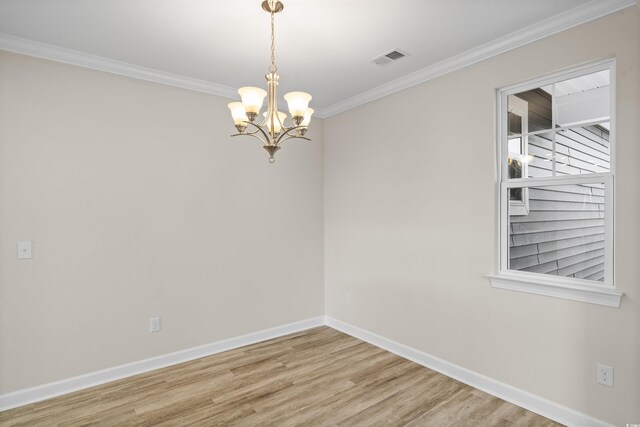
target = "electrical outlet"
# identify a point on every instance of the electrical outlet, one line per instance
(24, 249)
(154, 324)
(605, 375)
(347, 298)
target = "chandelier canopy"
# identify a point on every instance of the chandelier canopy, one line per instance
(272, 131)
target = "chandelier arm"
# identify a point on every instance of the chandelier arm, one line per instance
(259, 128)
(250, 134)
(285, 137)
(292, 137)
(246, 133)
(286, 132)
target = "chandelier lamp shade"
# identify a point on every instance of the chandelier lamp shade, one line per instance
(272, 129)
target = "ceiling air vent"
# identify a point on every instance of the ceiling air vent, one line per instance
(388, 57)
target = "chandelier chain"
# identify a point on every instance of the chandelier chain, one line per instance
(273, 67)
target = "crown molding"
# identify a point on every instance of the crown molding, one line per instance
(73, 57)
(564, 21)
(561, 22)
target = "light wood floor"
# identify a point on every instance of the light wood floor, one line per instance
(316, 377)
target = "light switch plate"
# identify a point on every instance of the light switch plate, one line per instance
(24, 249)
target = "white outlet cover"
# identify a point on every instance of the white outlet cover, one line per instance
(24, 249)
(154, 324)
(604, 375)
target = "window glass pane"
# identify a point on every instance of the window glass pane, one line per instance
(583, 150)
(579, 150)
(563, 232)
(530, 156)
(534, 106)
(515, 144)
(516, 166)
(540, 155)
(514, 123)
(583, 99)
(516, 195)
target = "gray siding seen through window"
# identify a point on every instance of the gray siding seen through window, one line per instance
(563, 232)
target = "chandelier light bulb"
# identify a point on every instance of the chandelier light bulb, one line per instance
(252, 99)
(307, 117)
(298, 103)
(277, 124)
(305, 122)
(239, 115)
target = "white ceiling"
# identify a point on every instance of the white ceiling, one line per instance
(322, 46)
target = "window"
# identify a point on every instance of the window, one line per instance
(556, 145)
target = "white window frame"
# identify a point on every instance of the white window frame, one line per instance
(543, 284)
(520, 108)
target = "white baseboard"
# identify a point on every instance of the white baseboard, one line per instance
(47, 391)
(496, 388)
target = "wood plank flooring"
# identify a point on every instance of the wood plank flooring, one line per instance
(319, 377)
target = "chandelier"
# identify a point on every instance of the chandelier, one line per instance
(272, 131)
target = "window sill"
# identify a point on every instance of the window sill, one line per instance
(557, 287)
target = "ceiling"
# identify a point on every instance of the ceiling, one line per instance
(323, 47)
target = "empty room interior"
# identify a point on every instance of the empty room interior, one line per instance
(321, 213)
